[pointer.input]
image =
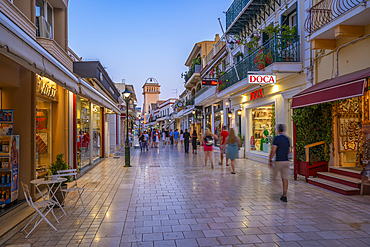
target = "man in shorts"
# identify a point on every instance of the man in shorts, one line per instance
(224, 134)
(281, 147)
(167, 137)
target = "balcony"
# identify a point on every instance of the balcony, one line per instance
(242, 12)
(44, 29)
(330, 19)
(192, 77)
(205, 95)
(281, 51)
(189, 102)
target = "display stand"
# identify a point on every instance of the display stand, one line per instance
(9, 161)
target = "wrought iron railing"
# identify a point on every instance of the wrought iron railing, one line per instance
(326, 11)
(209, 57)
(201, 91)
(190, 101)
(236, 7)
(196, 69)
(279, 48)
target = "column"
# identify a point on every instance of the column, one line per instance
(213, 119)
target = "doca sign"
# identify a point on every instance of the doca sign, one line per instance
(256, 94)
(263, 79)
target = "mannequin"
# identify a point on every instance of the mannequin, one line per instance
(264, 136)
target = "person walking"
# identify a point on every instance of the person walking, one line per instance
(141, 140)
(164, 137)
(167, 137)
(186, 137)
(233, 143)
(207, 140)
(176, 136)
(145, 141)
(194, 138)
(171, 136)
(155, 138)
(281, 147)
(223, 150)
(182, 138)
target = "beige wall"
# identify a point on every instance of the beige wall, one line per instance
(58, 125)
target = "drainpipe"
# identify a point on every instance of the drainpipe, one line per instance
(342, 46)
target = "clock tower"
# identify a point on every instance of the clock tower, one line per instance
(151, 91)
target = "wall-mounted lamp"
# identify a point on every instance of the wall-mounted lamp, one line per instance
(231, 43)
(227, 103)
(230, 115)
(193, 112)
(222, 112)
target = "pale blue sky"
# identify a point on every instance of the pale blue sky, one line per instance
(139, 39)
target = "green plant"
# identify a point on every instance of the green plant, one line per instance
(314, 124)
(273, 122)
(58, 165)
(242, 138)
(263, 58)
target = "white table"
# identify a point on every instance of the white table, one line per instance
(50, 183)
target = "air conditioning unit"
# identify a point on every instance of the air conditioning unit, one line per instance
(44, 29)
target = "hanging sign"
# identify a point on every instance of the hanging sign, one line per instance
(256, 94)
(262, 79)
(46, 88)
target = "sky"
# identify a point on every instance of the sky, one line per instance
(138, 39)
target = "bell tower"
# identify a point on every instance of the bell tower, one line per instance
(151, 91)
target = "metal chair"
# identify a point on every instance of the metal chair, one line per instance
(42, 209)
(79, 190)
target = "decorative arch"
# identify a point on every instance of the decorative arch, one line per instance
(199, 86)
(193, 92)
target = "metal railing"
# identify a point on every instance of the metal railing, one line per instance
(220, 44)
(209, 57)
(44, 29)
(201, 91)
(190, 101)
(326, 11)
(279, 48)
(236, 7)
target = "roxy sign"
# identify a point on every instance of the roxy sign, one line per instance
(263, 79)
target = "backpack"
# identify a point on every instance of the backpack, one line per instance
(208, 140)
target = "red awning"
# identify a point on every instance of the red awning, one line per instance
(342, 87)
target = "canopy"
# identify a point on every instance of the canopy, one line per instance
(342, 87)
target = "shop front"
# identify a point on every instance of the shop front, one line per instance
(218, 120)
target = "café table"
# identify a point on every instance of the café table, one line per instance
(50, 184)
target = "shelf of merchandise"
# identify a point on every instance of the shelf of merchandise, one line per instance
(263, 118)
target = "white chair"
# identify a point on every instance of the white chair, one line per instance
(79, 190)
(42, 208)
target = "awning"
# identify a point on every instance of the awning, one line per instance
(342, 87)
(20, 47)
(96, 97)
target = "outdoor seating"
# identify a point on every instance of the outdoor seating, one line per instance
(42, 209)
(68, 191)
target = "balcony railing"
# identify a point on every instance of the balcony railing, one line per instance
(209, 57)
(190, 101)
(201, 90)
(326, 11)
(279, 48)
(219, 45)
(196, 69)
(44, 29)
(236, 7)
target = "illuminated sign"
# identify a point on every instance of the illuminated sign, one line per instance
(210, 82)
(46, 87)
(263, 79)
(256, 94)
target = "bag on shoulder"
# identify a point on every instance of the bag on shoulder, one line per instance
(209, 141)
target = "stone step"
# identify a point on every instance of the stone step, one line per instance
(341, 179)
(333, 186)
(346, 172)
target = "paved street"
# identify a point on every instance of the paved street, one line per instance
(169, 198)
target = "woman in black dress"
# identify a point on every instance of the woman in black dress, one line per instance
(194, 141)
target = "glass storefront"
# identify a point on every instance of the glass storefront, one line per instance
(43, 137)
(83, 132)
(262, 129)
(218, 126)
(97, 127)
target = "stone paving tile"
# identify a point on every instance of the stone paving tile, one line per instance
(170, 199)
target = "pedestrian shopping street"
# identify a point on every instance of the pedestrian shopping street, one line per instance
(168, 198)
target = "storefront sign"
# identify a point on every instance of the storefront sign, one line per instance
(256, 94)
(263, 79)
(46, 88)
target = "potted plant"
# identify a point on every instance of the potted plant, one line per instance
(56, 166)
(196, 64)
(263, 58)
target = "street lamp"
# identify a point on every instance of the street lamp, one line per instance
(127, 97)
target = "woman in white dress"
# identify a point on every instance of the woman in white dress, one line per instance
(182, 138)
(164, 138)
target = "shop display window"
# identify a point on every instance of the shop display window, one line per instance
(261, 128)
(83, 132)
(43, 137)
(96, 132)
(218, 126)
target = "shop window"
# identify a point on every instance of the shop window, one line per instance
(96, 132)
(43, 137)
(83, 133)
(262, 128)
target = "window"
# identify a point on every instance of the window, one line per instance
(44, 19)
(293, 19)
